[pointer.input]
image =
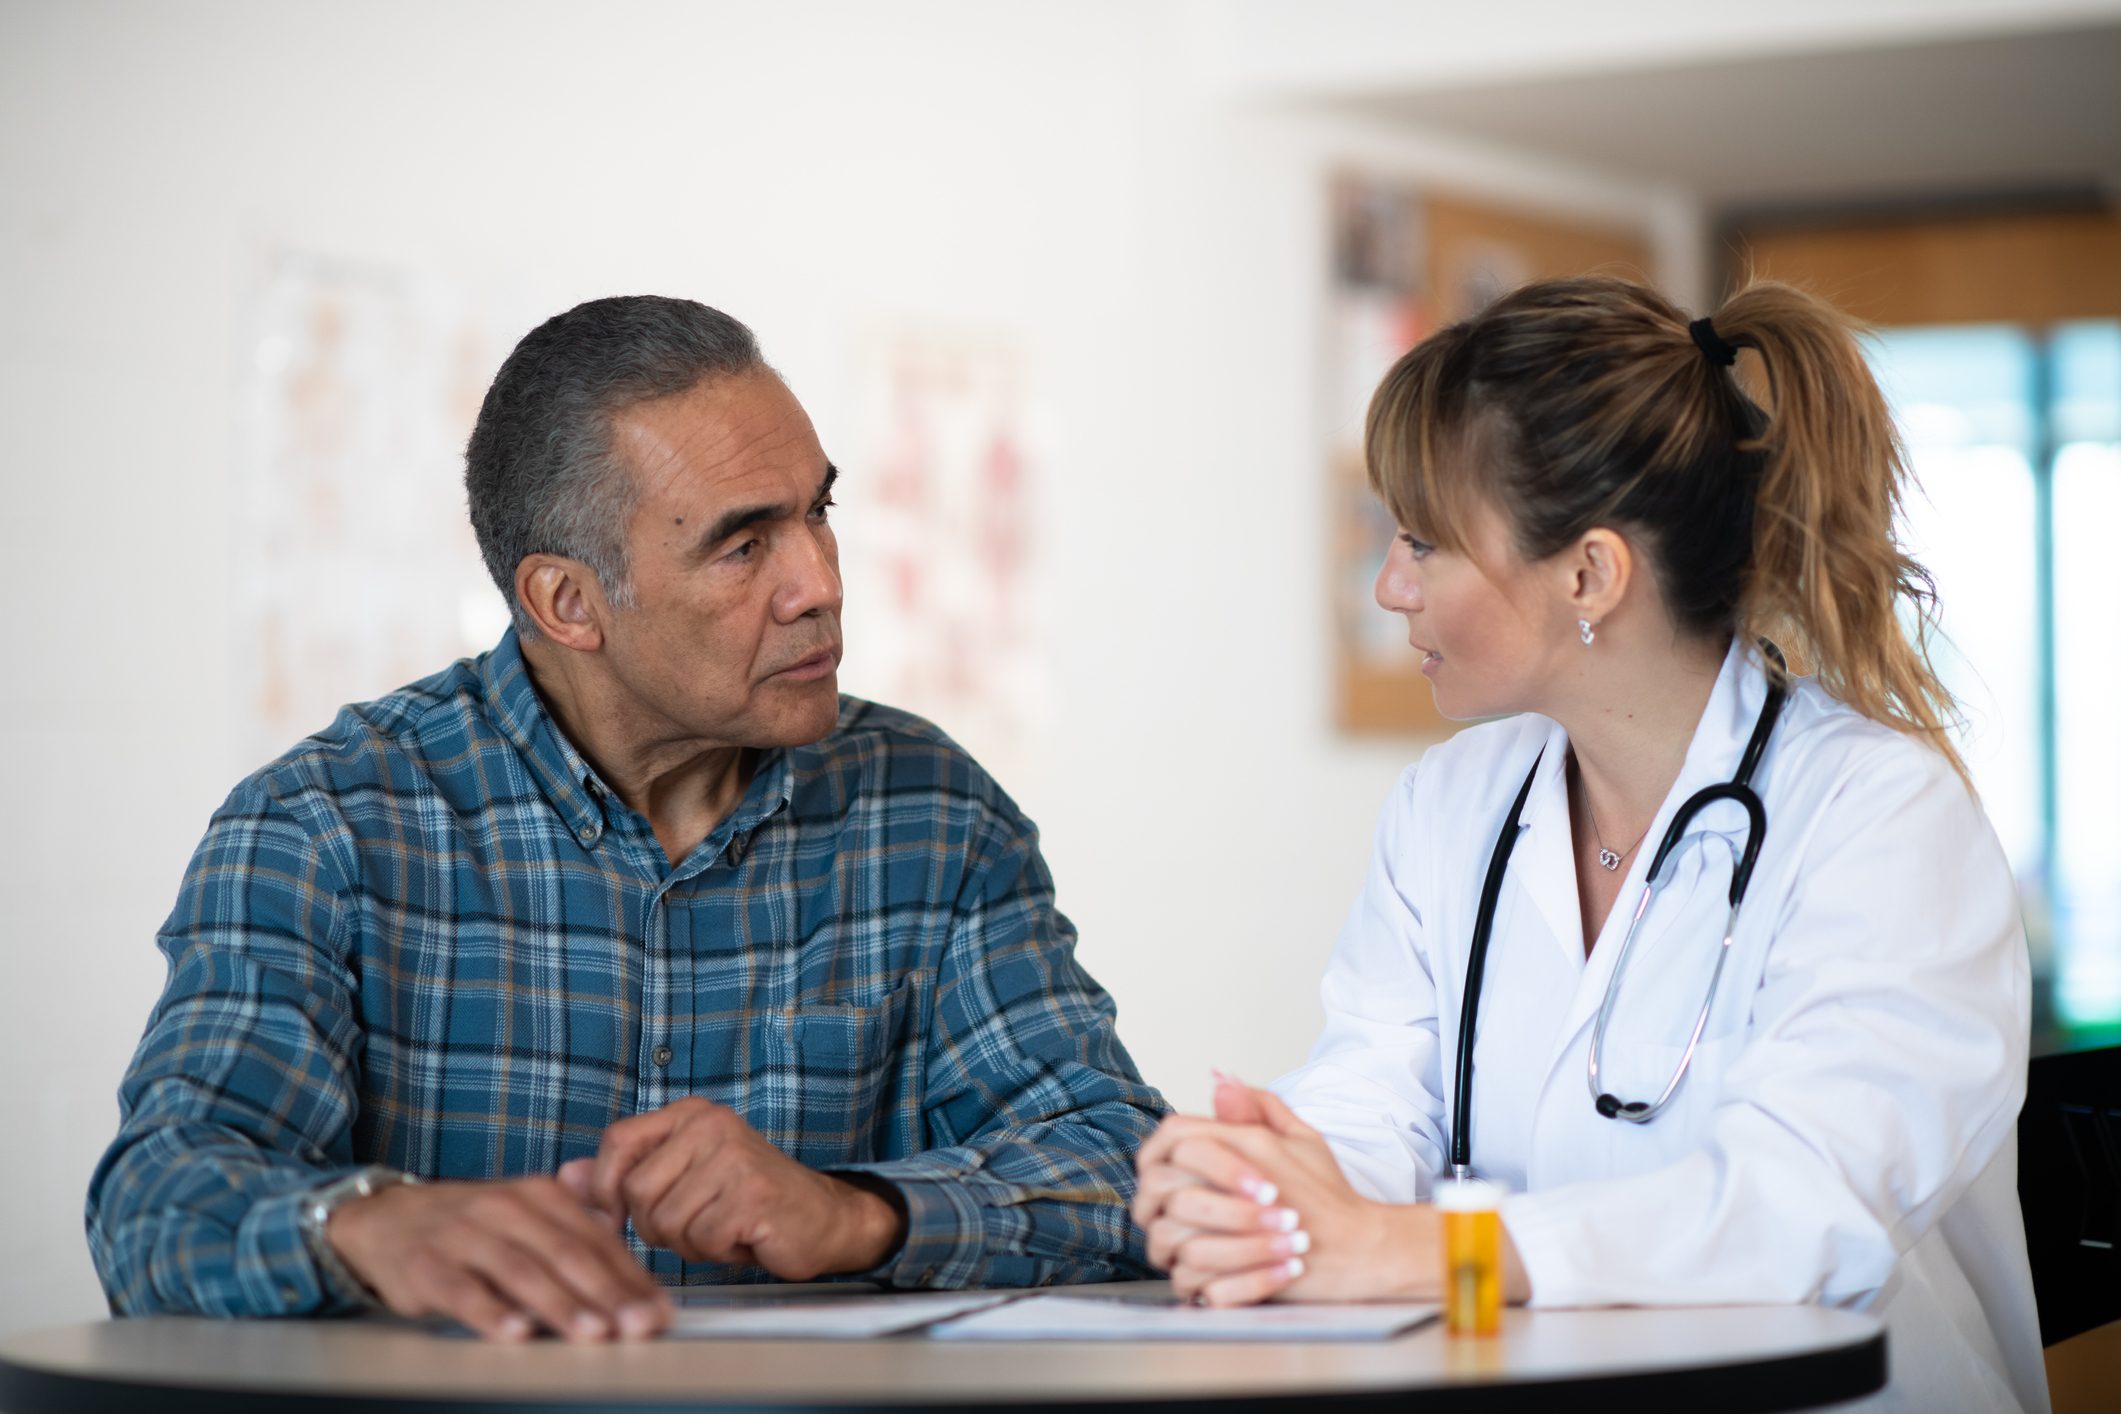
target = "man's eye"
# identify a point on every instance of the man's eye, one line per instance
(743, 551)
(823, 506)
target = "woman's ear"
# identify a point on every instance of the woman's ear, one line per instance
(1599, 566)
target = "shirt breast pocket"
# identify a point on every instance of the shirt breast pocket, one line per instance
(853, 1073)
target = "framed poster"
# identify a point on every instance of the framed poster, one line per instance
(1407, 262)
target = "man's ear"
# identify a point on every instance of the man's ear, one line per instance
(1600, 567)
(564, 599)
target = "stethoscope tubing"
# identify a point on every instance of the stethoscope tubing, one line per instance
(1738, 790)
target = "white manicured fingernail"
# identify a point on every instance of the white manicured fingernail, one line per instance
(1294, 1242)
(1260, 1191)
(1293, 1268)
(515, 1326)
(1281, 1219)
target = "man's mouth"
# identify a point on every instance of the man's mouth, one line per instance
(810, 668)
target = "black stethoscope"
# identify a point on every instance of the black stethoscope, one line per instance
(1738, 789)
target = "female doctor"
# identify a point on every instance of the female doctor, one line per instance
(1607, 545)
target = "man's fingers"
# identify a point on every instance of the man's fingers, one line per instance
(687, 1205)
(1216, 1211)
(626, 1144)
(716, 1232)
(1249, 1288)
(658, 1178)
(501, 1258)
(521, 1276)
(589, 1256)
(748, 1223)
(576, 1176)
(452, 1291)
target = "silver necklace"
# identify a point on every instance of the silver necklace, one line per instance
(1606, 857)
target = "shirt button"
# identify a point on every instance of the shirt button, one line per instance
(661, 1055)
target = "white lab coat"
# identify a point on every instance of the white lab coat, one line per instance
(1846, 1133)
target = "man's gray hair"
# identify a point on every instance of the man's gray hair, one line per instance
(540, 472)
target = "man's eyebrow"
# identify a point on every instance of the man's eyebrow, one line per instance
(731, 521)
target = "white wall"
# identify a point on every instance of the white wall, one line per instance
(1063, 171)
(1341, 46)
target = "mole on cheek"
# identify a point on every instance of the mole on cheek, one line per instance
(680, 520)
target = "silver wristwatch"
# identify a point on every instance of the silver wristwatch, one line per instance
(319, 1205)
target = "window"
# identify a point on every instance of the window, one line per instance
(2015, 436)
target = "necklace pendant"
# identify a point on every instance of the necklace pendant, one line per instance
(1610, 860)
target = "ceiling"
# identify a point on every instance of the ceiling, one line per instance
(1990, 117)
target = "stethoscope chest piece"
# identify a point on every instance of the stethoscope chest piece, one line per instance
(1738, 790)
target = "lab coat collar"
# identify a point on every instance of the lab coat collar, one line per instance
(1547, 846)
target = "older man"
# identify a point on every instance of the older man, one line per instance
(629, 954)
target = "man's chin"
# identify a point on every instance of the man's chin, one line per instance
(801, 712)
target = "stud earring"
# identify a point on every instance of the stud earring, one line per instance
(1583, 626)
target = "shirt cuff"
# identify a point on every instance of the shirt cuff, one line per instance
(945, 1231)
(272, 1251)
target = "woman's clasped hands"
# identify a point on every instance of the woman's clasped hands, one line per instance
(1251, 1205)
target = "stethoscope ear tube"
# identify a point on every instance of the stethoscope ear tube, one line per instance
(1737, 789)
(1756, 831)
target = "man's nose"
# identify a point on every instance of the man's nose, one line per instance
(812, 582)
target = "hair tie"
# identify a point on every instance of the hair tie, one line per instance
(1712, 343)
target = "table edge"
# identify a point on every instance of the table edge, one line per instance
(1760, 1386)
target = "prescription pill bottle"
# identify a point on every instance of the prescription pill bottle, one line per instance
(1472, 1256)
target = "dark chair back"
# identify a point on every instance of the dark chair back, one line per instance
(2069, 1184)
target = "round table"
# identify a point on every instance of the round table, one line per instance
(1732, 1359)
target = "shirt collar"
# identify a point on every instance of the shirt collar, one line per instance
(568, 780)
(565, 775)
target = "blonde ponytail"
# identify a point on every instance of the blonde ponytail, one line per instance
(1828, 580)
(1591, 401)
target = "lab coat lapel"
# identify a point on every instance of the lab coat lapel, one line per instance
(1543, 863)
(1719, 739)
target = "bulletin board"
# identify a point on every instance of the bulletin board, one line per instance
(1408, 261)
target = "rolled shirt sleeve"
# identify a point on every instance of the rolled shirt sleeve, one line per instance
(1035, 1107)
(240, 1098)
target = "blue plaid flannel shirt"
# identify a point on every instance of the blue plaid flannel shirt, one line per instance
(429, 937)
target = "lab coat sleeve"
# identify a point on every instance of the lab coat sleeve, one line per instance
(1373, 1085)
(1883, 1069)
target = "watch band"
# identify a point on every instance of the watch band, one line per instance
(315, 1218)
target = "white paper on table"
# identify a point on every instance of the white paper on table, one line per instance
(826, 1318)
(1088, 1318)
